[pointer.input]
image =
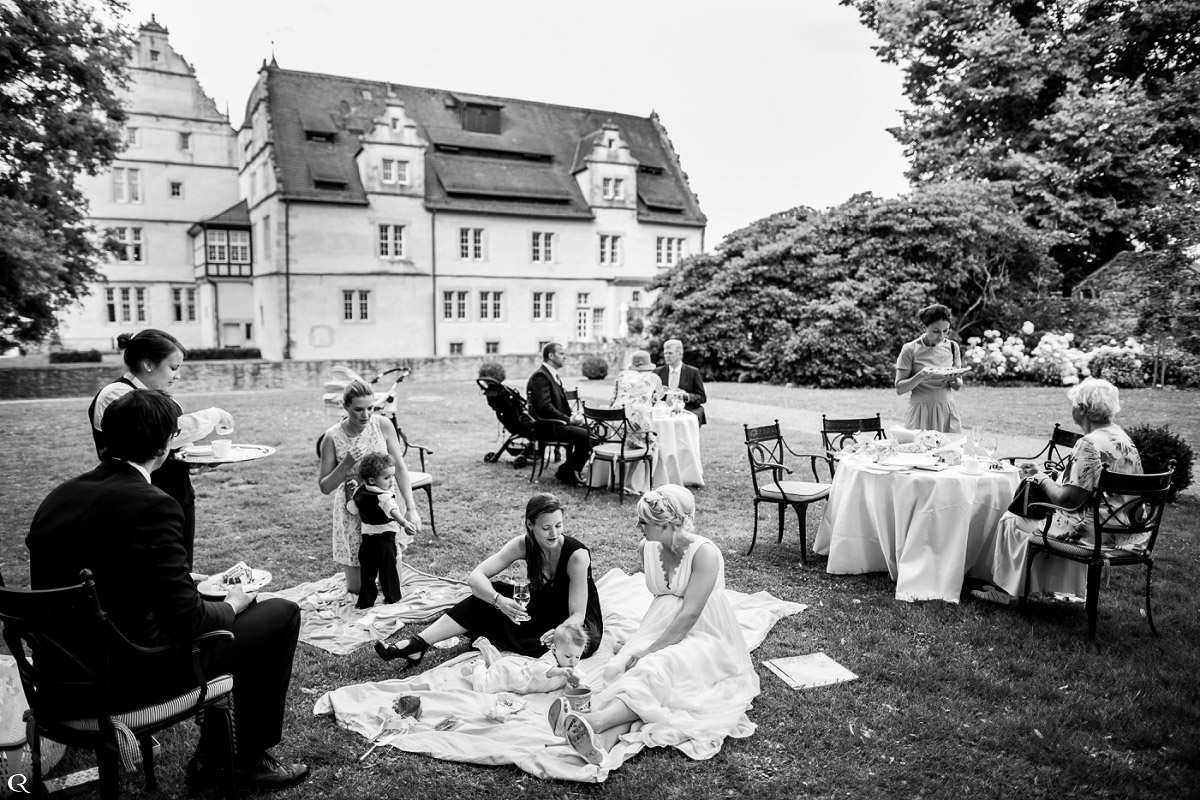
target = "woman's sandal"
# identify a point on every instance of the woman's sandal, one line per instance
(558, 711)
(416, 645)
(582, 738)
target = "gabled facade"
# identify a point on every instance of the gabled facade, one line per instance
(179, 167)
(393, 221)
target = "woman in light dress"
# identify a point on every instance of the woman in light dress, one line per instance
(342, 448)
(686, 675)
(637, 390)
(1094, 404)
(931, 406)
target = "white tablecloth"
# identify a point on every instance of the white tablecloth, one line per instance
(677, 459)
(926, 529)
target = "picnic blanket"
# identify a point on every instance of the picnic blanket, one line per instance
(329, 620)
(483, 735)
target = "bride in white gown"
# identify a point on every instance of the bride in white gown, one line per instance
(686, 674)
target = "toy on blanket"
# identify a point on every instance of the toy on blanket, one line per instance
(400, 716)
(513, 673)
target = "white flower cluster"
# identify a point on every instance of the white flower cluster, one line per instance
(1054, 359)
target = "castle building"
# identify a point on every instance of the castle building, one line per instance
(377, 220)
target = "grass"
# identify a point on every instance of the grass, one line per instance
(952, 700)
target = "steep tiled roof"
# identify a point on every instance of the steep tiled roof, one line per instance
(236, 216)
(525, 169)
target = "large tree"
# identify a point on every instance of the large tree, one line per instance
(828, 298)
(62, 65)
(1090, 108)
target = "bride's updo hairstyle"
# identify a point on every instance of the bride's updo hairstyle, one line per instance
(669, 504)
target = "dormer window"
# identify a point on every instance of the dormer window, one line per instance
(480, 118)
(614, 189)
(317, 127)
(395, 171)
(154, 56)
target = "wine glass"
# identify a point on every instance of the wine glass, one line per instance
(990, 443)
(976, 435)
(521, 593)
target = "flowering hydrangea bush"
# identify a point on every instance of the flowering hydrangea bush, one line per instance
(1122, 365)
(1055, 359)
(993, 358)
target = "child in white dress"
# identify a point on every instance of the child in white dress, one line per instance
(525, 675)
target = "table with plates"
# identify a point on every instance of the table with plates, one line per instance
(676, 460)
(926, 529)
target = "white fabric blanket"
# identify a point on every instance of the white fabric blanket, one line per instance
(524, 738)
(329, 620)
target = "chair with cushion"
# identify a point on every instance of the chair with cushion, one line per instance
(1126, 512)
(419, 479)
(63, 643)
(837, 433)
(617, 443)
(1056, 452)
(766, 449)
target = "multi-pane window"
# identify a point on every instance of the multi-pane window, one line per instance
(132, 136)
(614, 189)
(356, 305)
(125, 304)
(127, 185)
(391, 241)
(395, 171)
(184, 301)
(176, 188)
(456, 348)
(583, 298)
(598, 321)
(669, 250)
(543, 305)
(542, 247)
(490, 305)
(454, 305)
(610, 249)
(131, 251)
(218, 244)
(583, 325)
(491, 348)
(239, 247)
(185, 140)
(470, 244)
(635, 296)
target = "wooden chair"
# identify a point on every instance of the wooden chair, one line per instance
(1056, 452)
(63, 643)
(765, 449)
(1126, 513)
(837, 433)
(616, 443)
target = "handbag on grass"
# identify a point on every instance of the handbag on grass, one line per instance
(1029, 492)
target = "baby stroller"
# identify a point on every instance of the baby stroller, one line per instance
(513, 414)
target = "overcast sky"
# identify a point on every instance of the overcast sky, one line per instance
(769, 104)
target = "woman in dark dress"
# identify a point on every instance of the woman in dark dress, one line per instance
(561, 589)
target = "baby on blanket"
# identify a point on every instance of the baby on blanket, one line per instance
(525, 675)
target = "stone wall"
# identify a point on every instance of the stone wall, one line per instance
(84, 380)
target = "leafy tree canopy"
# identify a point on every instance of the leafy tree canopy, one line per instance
(1090, 108)
(828, 298)
(61, 66)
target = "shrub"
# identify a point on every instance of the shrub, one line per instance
(1183, 369)
(595, 368)
(1122, 366)
(223, 353)
(493, 370)
(1157, 446)
(75, 357)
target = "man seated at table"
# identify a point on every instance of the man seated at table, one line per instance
(675, 374)
(129, 533)
(556, 421)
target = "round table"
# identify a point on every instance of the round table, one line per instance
(678, 457)
(926, 529)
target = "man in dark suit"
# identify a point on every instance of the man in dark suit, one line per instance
(556, 421)
(129, 533)
(677, 375)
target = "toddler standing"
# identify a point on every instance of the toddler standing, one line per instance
(382, 518)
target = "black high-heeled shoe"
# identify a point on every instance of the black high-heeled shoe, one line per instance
(412, 652)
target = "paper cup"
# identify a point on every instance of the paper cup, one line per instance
(222, 448)
(579, 698)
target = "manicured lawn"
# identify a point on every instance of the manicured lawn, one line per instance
(953, 701)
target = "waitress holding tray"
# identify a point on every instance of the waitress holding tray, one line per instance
(153, 359)
(926, 368)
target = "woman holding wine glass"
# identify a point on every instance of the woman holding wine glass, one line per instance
(558, 587)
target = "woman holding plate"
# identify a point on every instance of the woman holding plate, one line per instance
(926, 368)
(152, 360)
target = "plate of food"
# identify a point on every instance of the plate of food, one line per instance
(202, 454)
(218, 585)
(949, 370)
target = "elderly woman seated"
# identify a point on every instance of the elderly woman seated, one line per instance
(637, 389)
(1094, 404)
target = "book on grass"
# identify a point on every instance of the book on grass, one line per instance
(806, 672)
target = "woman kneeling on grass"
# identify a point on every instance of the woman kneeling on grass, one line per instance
(686, 674)
(561, 590)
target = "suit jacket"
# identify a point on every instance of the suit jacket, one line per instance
(547, 399)
(690, 382)
(130, 535)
